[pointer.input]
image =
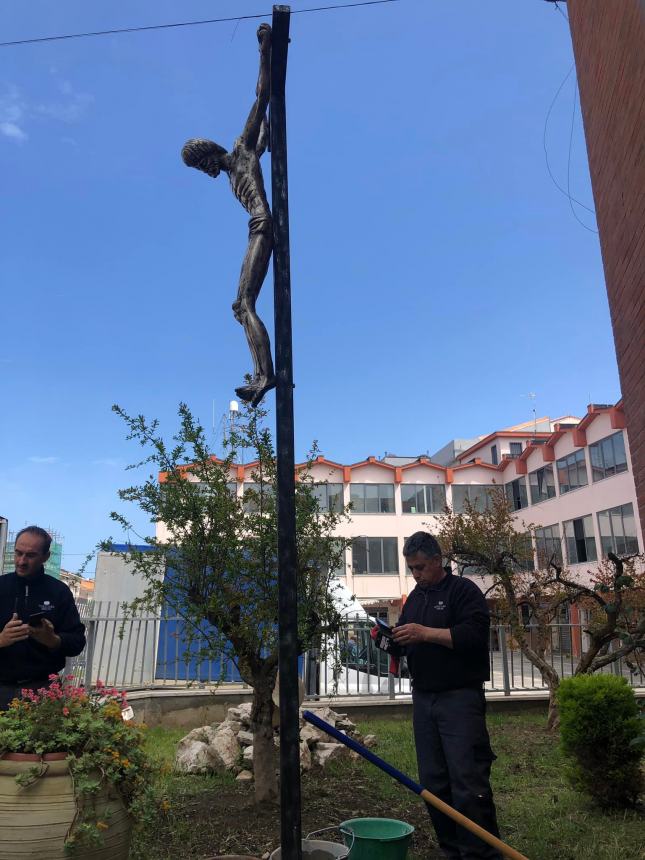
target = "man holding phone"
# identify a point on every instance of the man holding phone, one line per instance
(444, 632)
(39, 621)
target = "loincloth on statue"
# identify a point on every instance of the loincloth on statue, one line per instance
(261, 225)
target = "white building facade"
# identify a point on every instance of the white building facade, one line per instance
(571, 478)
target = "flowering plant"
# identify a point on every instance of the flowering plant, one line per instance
(101, 747)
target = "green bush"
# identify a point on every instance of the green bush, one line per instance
(598, 723)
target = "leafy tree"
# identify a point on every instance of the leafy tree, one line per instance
(492, 541)
(213, 560)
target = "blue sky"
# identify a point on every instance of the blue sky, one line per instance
(438, 275)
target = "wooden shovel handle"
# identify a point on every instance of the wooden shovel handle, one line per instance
(484, 835)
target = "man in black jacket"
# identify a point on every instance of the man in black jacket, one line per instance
(444, 629)
(39, 621)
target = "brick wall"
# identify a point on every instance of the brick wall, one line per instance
(609, 47)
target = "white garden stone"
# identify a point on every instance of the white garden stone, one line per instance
(245, 712)
(195, 757)
(222, 746)
(305, 756)
(234, 714)
(325, 714)
(225, 747)
(311, 734)
(244, 776)
(205, 734)
(324, 753)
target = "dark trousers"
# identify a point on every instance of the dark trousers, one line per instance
(9, 692)
(454, 758)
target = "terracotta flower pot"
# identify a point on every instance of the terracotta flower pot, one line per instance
(35, 820)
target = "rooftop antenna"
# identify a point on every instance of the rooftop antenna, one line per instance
(233, 410)
(531, 396)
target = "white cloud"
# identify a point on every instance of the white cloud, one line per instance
(70, 108)
(10, 129)
(17, 112)
(113, 462)
(12, 114)
(47, 460)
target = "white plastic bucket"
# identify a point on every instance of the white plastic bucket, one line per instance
(318, 849)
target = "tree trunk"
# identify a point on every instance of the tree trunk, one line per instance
(265, 760)
(535, 655)
(553, 718)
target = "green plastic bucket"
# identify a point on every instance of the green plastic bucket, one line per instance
(377, 838)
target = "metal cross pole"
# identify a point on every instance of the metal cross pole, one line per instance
(290, 825)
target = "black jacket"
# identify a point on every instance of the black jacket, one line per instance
(456, 603)
(28, 660)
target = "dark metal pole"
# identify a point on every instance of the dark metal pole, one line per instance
(290, 826)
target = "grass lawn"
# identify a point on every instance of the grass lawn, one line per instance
(538, 813)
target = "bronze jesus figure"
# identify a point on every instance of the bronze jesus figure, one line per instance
(245, 175)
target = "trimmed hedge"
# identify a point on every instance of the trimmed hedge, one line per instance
(598, 725)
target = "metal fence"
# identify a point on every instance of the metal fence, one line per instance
(150, 651)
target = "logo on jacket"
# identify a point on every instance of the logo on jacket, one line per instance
(440, 605)
(45, 606)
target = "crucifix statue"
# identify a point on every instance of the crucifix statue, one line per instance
(242, 164)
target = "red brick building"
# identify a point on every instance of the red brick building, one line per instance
(609, 47)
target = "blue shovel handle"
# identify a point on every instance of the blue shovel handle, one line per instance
(361, 750)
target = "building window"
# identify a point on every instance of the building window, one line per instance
(340, 570)
(207, 489)
(516, 449)
(329, 496)
(372, 498)
(524, 559)
(548, 545)
(542, 484)
(479, 496)
(375, 555)
(423, 498)
(579, 539)
(328, 557)
(618, 530)
(572, 471)
(608, 457)
(494, 457)
(516, 494)
(256, 496)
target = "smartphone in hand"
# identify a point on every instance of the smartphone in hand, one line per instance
(36, 619)
(384, 627)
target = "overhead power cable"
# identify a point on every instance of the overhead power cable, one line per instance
(571, 199)
(237, 18)
(567, 192)
(564, 191)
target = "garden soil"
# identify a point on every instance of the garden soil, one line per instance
(232, 824)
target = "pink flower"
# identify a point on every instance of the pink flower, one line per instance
(66, 712)
(52, 677)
